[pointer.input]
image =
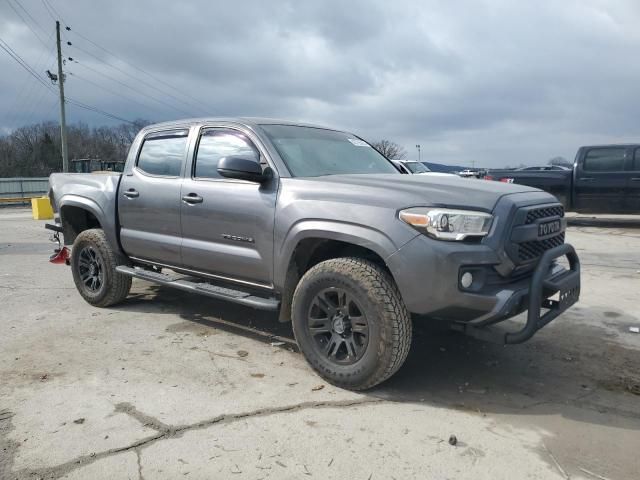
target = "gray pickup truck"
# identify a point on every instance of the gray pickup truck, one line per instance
(314, 223)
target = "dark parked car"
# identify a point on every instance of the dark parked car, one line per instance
(314, 223)
(604, 179)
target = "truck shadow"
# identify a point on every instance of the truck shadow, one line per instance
(568, 368)
(564, 369)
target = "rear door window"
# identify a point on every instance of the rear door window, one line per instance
(605, 160)
(163, 153)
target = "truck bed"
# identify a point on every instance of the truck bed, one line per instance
(556, 182)
(93, 193)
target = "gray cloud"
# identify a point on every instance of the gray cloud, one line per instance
(493, 82)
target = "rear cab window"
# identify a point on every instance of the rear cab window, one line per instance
(163, 153)
(610, 159)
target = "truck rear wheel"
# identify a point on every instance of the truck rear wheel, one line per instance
(351, 323)
(93, 264)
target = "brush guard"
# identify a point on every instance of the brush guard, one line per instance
(565, 283)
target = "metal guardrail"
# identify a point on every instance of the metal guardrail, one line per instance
(22, 189)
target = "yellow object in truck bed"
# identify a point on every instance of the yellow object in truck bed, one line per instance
(41, 208)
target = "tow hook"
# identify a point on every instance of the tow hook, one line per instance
(61, 254)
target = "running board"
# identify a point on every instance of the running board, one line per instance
(203, 288)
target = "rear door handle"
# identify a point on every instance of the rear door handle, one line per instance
(586, 179)
(192, 198)
(131, 193)
(635, 179)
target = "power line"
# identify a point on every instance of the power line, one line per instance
(27, 87)
(137, 79)
(30, 16)
(49, 6)
(12, 53)
(25, 21)
(24, 97)
(139, 92)
(97, 110)
(50, 11)
(33, 108)
(129, 99)
(53, 11)
(150, 75)
(15, 56)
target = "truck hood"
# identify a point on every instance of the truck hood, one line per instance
(401, 191)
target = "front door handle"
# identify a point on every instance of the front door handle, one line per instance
(131, 193)
(635, 179)
(192, 198)
(586, 179)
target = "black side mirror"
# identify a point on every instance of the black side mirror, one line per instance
(241, 168)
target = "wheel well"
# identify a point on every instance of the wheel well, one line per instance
(310, 252)
(75, 220)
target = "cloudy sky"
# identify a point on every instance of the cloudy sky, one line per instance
(495, 82)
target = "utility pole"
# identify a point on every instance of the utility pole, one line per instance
(63, 120)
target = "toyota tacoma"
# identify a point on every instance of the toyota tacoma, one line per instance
(316, 224)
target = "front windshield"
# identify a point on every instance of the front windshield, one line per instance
(312, 152)
(416, 167)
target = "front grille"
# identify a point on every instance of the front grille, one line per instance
(533, 215)
(531, 250)
(528, 248)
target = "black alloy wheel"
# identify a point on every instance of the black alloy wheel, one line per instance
(350, 322)
(93, 264)
(91, 269)
(338, 325)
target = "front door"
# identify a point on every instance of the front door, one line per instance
(601, 180)
(149, 198)
(227, 225)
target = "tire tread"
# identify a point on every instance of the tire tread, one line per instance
(119, 285)
(396, 322)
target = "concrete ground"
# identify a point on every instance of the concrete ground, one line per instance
(169, 385)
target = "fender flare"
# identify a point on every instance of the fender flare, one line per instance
(91, 206)
(356, 234)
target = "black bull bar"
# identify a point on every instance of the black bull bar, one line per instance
(542, 286)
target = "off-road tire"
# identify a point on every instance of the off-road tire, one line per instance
(388, 319)
(115, 286)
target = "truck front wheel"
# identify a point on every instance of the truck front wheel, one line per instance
(351, 323)
(93, 264)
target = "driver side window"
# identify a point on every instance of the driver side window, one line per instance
(215, 144)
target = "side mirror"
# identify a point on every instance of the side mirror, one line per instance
(241, 168)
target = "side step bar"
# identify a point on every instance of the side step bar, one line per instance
(203, 288)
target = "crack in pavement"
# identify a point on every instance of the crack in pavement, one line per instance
(145, 420)
(139, 460)
(169, 431)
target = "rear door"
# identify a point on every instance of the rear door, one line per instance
(227, 224)
(149, 198)
(633, 183)
(601, 180)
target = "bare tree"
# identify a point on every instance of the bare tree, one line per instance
(390, 149)
(34, 150)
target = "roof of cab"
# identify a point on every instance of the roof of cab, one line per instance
(248, 121)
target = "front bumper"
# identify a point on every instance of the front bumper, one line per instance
(427, 273)
(544, 284)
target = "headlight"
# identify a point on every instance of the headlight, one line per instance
(447, 224)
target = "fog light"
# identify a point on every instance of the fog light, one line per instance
(466, 280)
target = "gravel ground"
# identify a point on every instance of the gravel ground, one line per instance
(169, 385)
